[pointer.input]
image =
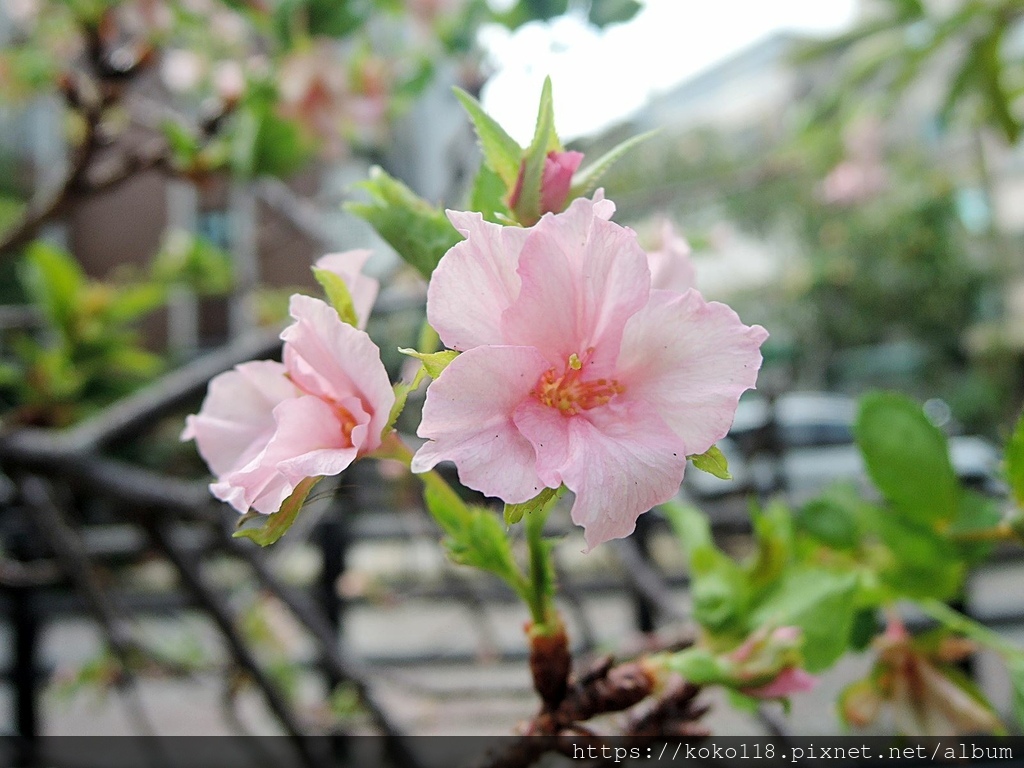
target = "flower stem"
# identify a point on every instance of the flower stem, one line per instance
(546, 621)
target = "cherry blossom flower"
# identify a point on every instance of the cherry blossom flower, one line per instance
(556, 181)
(573, 371)
(363, 289)
(266, 426)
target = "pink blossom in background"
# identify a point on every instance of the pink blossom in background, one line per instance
(573, 370)
(671, 267)
(265, 426)
(556, 181)
(363, 289)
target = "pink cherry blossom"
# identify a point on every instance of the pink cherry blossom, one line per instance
(266, 426)
(671, 267)
(348, 266)
(556, 181)
(573, 370)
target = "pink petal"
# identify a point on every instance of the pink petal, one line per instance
(307, 442)
(556, 179)
(468, 419)
(671, 267)
(236, 420)
(348, 266)
(582, 277)
(332, 360)
(789, 681)
(691, 360)
(475, 282)
(619, 461)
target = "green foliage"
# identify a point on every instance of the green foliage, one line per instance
(585, 181)
(338, 295)
(420, 233)
(434, 363)
(515, 512)
(1014, 466)
(263, 142)
(276, 525)
(527, 208)
(190, 261)
(501, 152)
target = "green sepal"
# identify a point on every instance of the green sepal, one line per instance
(515, 512)
(502, 153)
(713, 462)
(420, 233)
(586, 179)
(402, 391)
(338, 295)
(277, 524)
(434, 363)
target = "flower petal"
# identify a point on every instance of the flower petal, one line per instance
(691, 360)
(671, 267)
(362, 288)
(619, 461)
(236, 420)
(475, 282)
(582, 277)
(332, 360)
(467, 417)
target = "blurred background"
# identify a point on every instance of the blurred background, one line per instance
(849, 175)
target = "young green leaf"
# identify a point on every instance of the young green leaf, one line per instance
(54, 282)
(277, 524)
(713, 462)
(545, 140)
(515, 512)
(337, 295)
(489, 196)
(907, 458)
(501, 152)
(402, 391)
(586, 179)
(419, 233)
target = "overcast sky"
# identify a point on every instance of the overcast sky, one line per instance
(600, 77)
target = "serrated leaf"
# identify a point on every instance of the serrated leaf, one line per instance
(501, 152)
(822, 603)
(418, 232)
(713, 462)
(489, 195)
(402, 391)
(515, 512)
(434, 363)
(1015, 462)
(527, 208)
(338, 295)
(586, 179)
(277, 524)
(907, 458)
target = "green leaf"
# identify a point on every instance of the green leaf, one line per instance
(822, 603)
(719, 589)
(977, 513)
(277, 524)
(1015, 462)
(402, 391)
(55, 282)
(699, 666)
(483, 543)
(1015, 666)
(501, 152)
(907, 458)
(434, 363)
(866, 626)
(515, 512)
(923, 563)
(586, 179)
(773, 531)
(488, 196)
(133, 301)
(713, 462)
(545, 140)
(182, 142)
(337, 295)
(418, 232)
(605, 12)
(833, 517)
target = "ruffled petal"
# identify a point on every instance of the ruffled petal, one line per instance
(671, 266)
(362, 288)
(236, 419)
(582, 277)
(690, 360)
(332, 360)
(467, 417)
(475, 282)
(618, 460)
